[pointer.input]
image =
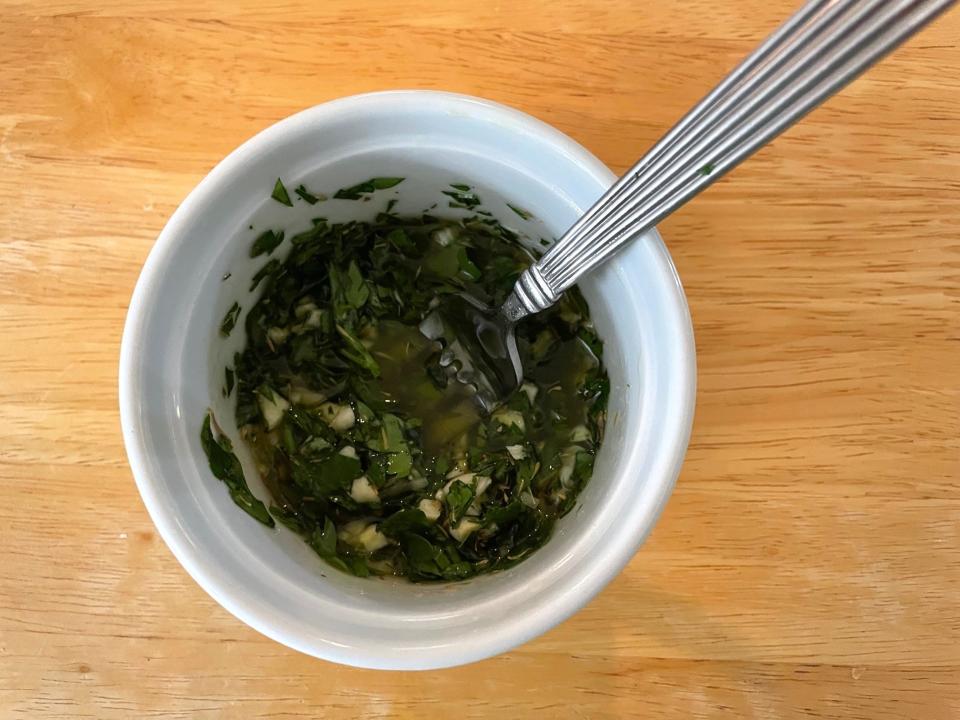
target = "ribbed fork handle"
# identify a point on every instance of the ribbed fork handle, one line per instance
(823, 47)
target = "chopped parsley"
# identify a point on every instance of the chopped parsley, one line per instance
(230, 319)
(226, 467)
(369, 447)
(521, 212)
(280, 194)
(266, 243)
(463, 197)
(368, 186)
(308, 196)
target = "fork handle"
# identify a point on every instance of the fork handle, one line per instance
(823, 47)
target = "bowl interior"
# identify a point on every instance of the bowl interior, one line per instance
(172, 371)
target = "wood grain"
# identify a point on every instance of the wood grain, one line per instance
(808, 564)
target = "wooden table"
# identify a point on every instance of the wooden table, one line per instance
(808, 564)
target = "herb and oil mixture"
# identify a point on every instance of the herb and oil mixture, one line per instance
(370, 450)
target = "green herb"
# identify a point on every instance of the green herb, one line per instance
(707, 169)
(324, 540)
(266, 243)
(356, 353)
(465, 199)
(458, 499)
(408, 520)
(229, 376)
(266, 271)
(370, 449)
(308, 196)
(466, 265)
(519, 211)
(226, 467)
(280, 194)
(230, 319)
(372, 185)
(349, 288)
(423, 557)
(332, 474)
(391, 442)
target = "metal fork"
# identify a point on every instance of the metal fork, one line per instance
(824, 46)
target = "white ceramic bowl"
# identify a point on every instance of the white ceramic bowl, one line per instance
(172, 362)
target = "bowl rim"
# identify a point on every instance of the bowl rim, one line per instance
(133, 339)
